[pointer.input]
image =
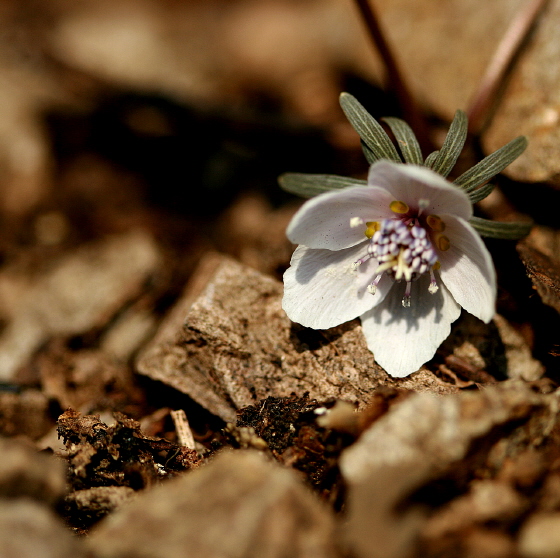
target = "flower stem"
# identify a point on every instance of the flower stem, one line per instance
(501, 63)
(396, 81)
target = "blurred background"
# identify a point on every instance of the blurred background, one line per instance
(138, 135)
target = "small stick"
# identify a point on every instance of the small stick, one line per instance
(396, 81)
(183, 429)
(501, 62)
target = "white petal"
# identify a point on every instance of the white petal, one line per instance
(402, 339)
(467, 269)
(321, 290)
(325, 220)
(411, 183)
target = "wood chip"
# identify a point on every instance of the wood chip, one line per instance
(184, 433)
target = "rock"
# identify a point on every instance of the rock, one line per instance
(238, 505)
(228, 344)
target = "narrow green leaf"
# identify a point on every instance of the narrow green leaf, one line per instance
(453, 144)
(481, 193)
(430, 159)
(406, 140)
(309, 185)
(368, 153)
(369, 129)
(492, 165)
(495, 229)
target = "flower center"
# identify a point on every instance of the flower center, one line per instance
(403, 248)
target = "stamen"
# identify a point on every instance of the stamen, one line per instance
(433, 288)
(443, 243)
(387, 265)
(406, 297)
(372, 287)
(367, 257)
(435, 222)
(401, 248)
(422, 204)
(372, 228)
(399, 207)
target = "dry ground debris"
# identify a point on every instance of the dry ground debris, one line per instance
(106, 464)
(238, 505)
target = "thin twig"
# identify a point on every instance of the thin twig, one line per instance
(501, 62)
(396, 81)
(184, 433)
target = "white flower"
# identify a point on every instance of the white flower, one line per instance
(399, 253)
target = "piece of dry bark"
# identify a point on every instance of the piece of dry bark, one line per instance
(88, 379)
(25, 412)
(486, 501)
(86, 507)
(415, 442)
(81, 291)
(238, 505)
(29, 530)
(26, 473)
(233, 346)
(539, 253)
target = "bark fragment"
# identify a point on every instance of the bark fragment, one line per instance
(415, 442)
(238, 505)
(237, 347)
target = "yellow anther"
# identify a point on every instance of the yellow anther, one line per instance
(436, 266)
(443, 243)
(435, 223)
(372, 228)
(398, 207)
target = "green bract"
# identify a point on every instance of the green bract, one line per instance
(377, 145)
